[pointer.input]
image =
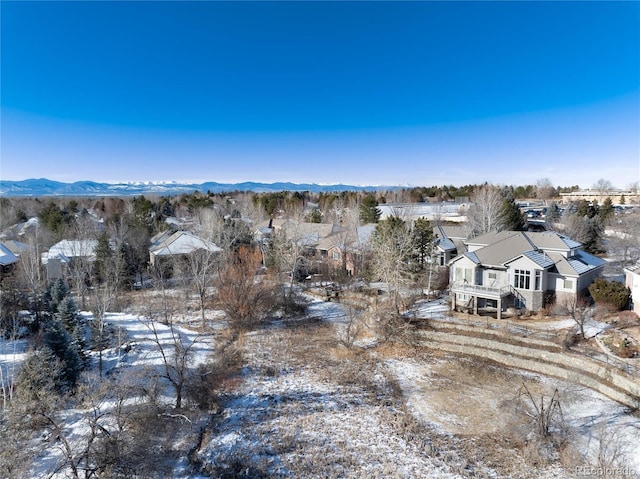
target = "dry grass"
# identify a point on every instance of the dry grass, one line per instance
(310, 404)
(321, 403)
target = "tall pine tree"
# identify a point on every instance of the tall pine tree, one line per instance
(61, 344)
(423, 233)
(369, 211)
(512, 218)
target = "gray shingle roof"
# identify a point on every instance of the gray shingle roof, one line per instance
(181, 242)
(505, 248)
(550, 240)
(546, 249)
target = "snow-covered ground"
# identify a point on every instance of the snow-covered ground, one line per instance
(307, 404)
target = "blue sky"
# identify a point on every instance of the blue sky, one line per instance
(375, 93)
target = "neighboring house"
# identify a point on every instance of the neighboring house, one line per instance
(266, 229)
(16, 247)
(21, 229)
(10, 252)
(449, 242)
(307, 235)
(8, 260)
(347, 250)
(61, 256)
(176, 244)
(632, 281)
(325, 246)
(517, 269)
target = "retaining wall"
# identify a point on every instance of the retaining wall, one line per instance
(615, 384)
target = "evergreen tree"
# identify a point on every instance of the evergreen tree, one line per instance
(129, 269)
(553, 213)
(606, 210)
(70, 320)
(423, 233)
(587, 209)
(570, 210)
(592, 235)
(165, 209)
(58, 290)
(104, 254)
(512, 218)
(60, 343)
(144, 214)
(369, 212)
(68, 313)
(55, 219)
(39, 379)
(610, 292)
(314, 216)
(79, 343)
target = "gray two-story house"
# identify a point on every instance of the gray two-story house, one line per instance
(518, 269)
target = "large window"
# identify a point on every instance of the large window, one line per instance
(538, 280)
(464, 275)
(522, 279)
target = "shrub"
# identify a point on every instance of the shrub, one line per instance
(610, 292)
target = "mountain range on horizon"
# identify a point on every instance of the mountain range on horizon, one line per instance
(46, 187)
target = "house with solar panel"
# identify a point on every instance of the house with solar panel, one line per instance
(519, 269)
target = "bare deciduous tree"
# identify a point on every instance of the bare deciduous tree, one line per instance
(175, 349)
(602, 186)
(544, 189)
(485, 214)
(199, 268)
(242, 295)
(624, 242)
(393, 246)
(578, 308)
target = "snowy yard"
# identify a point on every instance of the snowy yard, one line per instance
(308, 404)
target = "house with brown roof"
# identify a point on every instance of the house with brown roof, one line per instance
(519, 269)
(347, 250)
(325, 247)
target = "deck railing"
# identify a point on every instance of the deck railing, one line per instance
(479, 290)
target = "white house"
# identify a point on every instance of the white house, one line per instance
(632, 281)
(62, 255)
(517, 269)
